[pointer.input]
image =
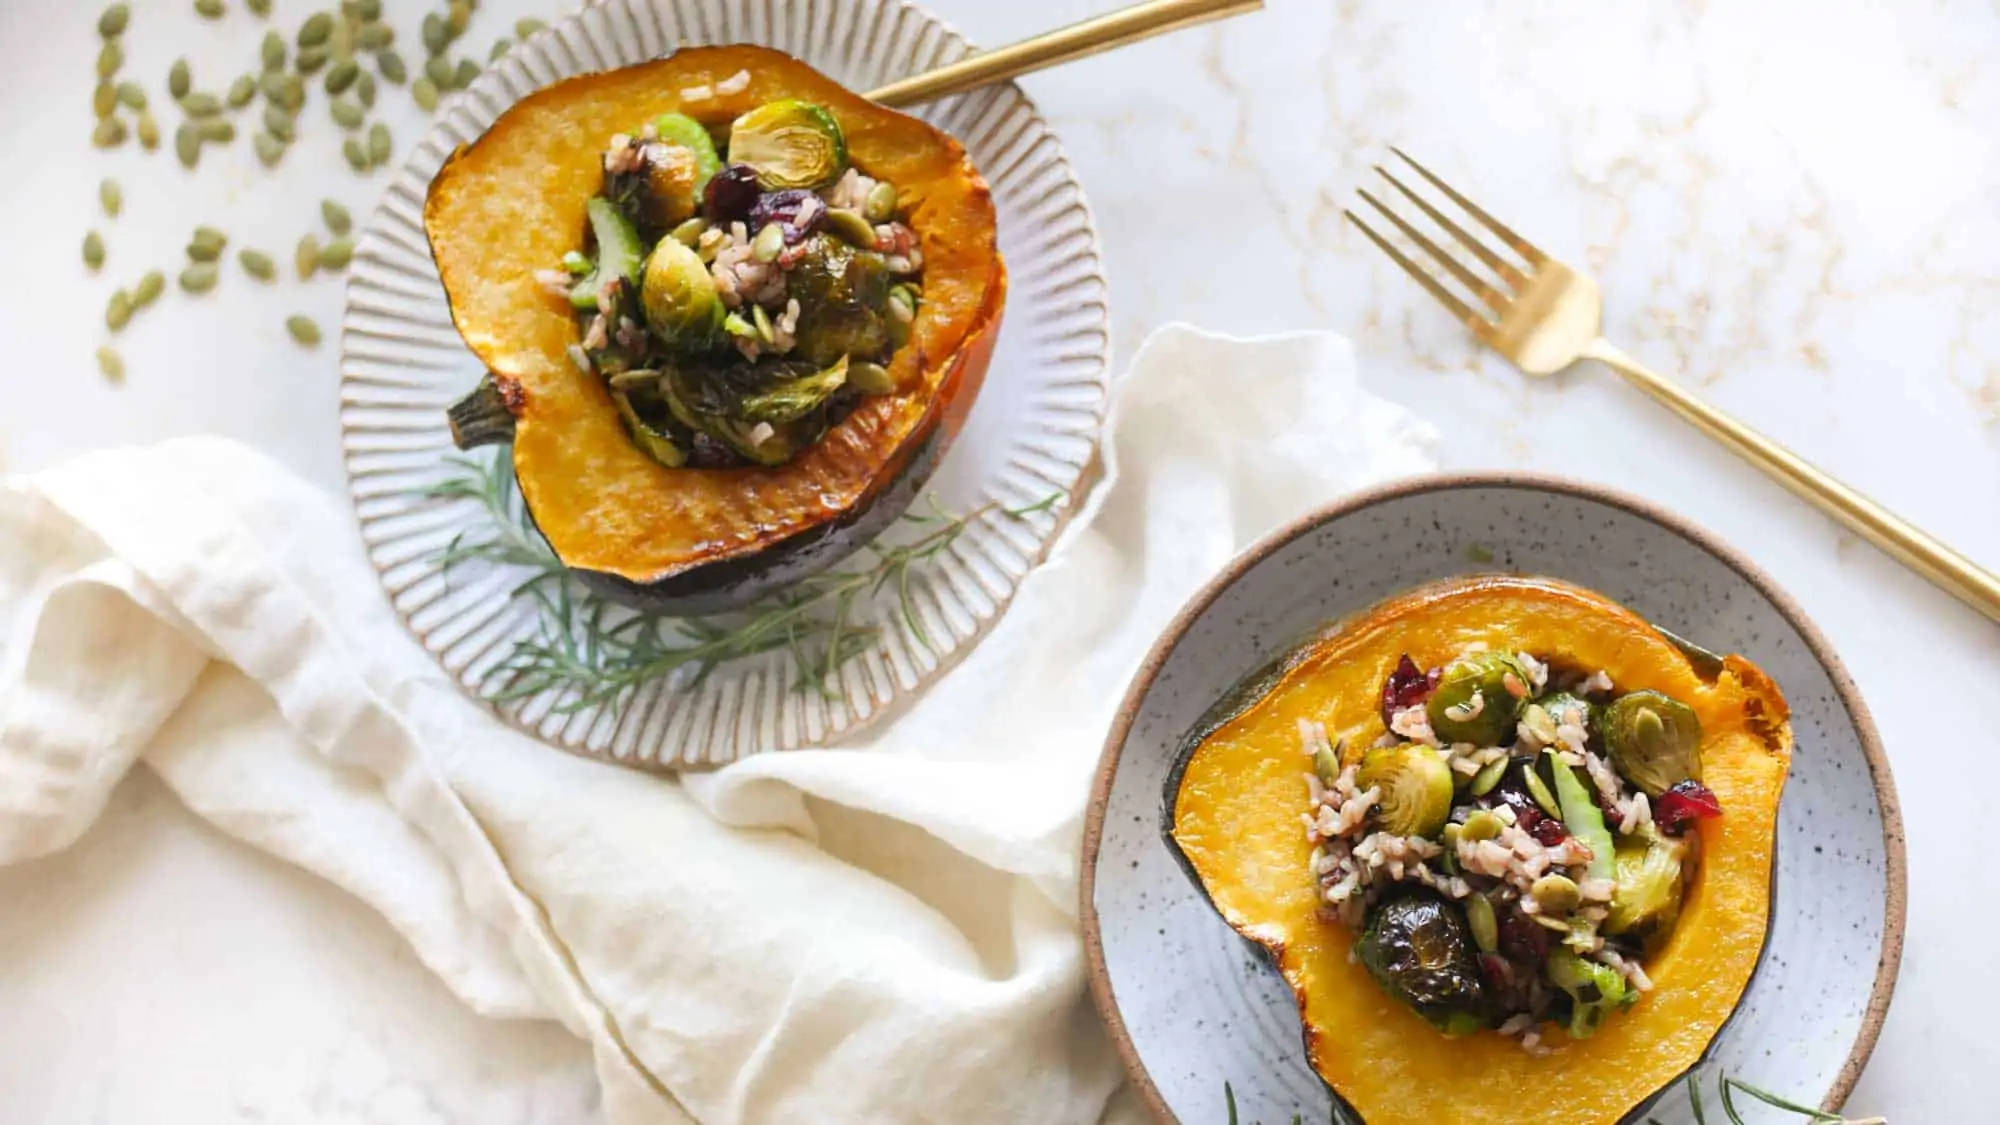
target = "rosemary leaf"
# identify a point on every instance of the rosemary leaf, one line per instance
(1771, 1099)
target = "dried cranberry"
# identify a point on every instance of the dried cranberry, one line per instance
(1549, 832)
(730, 195)
(796, 211)
(1498, 971)
(1521, 939)
(1682, 805)
(1407, 686)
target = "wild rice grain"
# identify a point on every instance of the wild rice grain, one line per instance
(109, 363)
(500, 47)
(303, 330)
(93, 251)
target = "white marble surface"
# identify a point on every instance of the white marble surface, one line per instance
(1794, 205)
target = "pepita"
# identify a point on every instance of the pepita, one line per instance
(436, 39)
(357, 157)
(310, 59)
(439, 70)
(526, 27)
(110, 133)
(1488, 776)
(687, 234)
(216, 129)
(336, 254)
(274, 51)
(306, 258)
(425, 93)
(303, 330)
(208, 9)
(257, 264)
(179, 81)
(880, 205)
(294, 93)
(467, 74)
(131, 95)
(187, 144)
(460, 17)
(390, 66)
(259, 8)
(338, 220)
(761, 320)
(851, 226)
(769, 243)
(111, 23)
(500, 47)
(199, 278)
(109, 363)
(1484, 923)
(270, 149)
(346, 114)
(199, 104)
(380, 147)
(364, 88)
(1556, 894)
(279, 123)
(149, 289)
(111, 196)
(870, 379)
(241, 91)
(109, 59)
(315, 30)
(374, 36)
(104, 99)
(341, 76)
(93, 251)
(340, 45)
(207, 244)
(149, 132)
(369, 9)
(118, 311)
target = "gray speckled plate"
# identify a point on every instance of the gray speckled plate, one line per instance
(1191, 1005)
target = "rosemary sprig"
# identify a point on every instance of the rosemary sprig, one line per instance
(592, 654)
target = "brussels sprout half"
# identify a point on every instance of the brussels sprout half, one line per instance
(1647, 898)
(1654, 741)
(1479, 699)
(678, 295)
(1415, 787)
(1420, 950)
(1595, 990)
(791, 144)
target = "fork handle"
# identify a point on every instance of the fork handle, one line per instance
(1950, 571)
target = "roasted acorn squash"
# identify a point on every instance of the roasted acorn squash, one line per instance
(1232, 816)
(698, 540)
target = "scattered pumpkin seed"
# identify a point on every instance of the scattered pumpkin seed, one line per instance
(769, 243)
(131, 95)
(109, 59)
(303, 330)
(149, 132)
(364, 88)
(316, 29)
(461, 15)
(338, 220)
(341, 76)
(274, 51)
(111, 196)
(500, 47)
(259, 8)
(104, 100)
(272, 86)
(346, 114)
(241, 91)
(687, 234)
(526, 27)
(336, 254)
(761, 320)
(110, 133)
(207, 244)
(200, 104)
(293, 96)
(311, 59)
(368, 9)
(374, 36)
(426, 94)
(468, 72)
(257, 264)
(179, 81)
(436, 39)
(111, 23)
(199, 278)
(380, 147)
(851, 226)
(357, 157)
(880, 205)
(306, 258)
(340, 45)
(93, 251)
(149, 289)
(279, 124)
(118, 311)
(187, 144)
(439, 70)
(216, 129)
(390, 65)
(870, 378)
(208, 9)
(109, 363)
(270, 149)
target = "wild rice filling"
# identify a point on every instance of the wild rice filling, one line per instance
(1513, 844)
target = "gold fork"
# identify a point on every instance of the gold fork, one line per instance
(1547, 316)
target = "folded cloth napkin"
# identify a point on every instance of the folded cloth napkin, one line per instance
(885, 932)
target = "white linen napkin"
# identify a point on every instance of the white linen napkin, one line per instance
(885, 932)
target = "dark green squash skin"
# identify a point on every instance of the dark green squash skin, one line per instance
(1246, 692)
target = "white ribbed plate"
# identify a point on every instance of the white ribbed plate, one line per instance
(1033, 432)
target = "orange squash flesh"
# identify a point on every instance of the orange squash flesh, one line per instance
(512, 202)
(1235, 819)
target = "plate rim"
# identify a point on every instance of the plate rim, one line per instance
(1896, 891)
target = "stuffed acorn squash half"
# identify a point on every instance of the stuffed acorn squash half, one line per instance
(732, 314)
(1511, 846)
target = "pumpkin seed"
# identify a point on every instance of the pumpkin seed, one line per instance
(294, 93)
(257, 264)
(341, 43)
(118, 311)
(179, 81)
(111, 23)
(468, 72)
(1485, 925)
(461, 15)
(341, 76)
(425, 93)
(131, 95)
(357, 157)
(439, 70)
(1556, 894)
(311, 59)
(880, 205)
(272, 86)
(436, 39)
(500, 47)
(199, 278)
(380, 147)
(306, 258)
(269, 148)
(338, 220)
(241, 91)
(109, 59)
(526, 27)
(761, 320)
(368, 9)
(687, 234)
(851, 226)
(374, 36)
(390, 65)
(274, 51)
(259, 8)
(149, 289)
(364, 88)
(208, 9)
(769, 243)
(93, 251)
(216, 129)
(149, 132)
(104, 99)
(109, 363)
(303, 330)
(110, 133)
(316, 29)
(111, 196)
(207, 244)
(201, 105)
(187, 144)
(870, 379)
(279, 124)
(336, 254)
(346, 114)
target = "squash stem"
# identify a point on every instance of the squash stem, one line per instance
(482, 417)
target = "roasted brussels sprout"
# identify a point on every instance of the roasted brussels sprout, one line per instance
(619, 251)
(1566, 708)
(791, 144)
(841, 293)
(792, 399)
(1654, 741)
(663, 188)
(1415, 787)
(1581, 815)
(1595, 991)
(1419, 949)
(1478, 699)
(1647, 900)
(678, 295)
(684, 131)
(654, 440)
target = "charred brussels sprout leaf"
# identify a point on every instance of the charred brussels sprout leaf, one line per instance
(793, 399)
(1595, 991)
(678, 295)
(1419, 949)
(791, 144)
(841, 293)
(1654, 741)
(1415, 787)
(1647, 899)
(1479, 699)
